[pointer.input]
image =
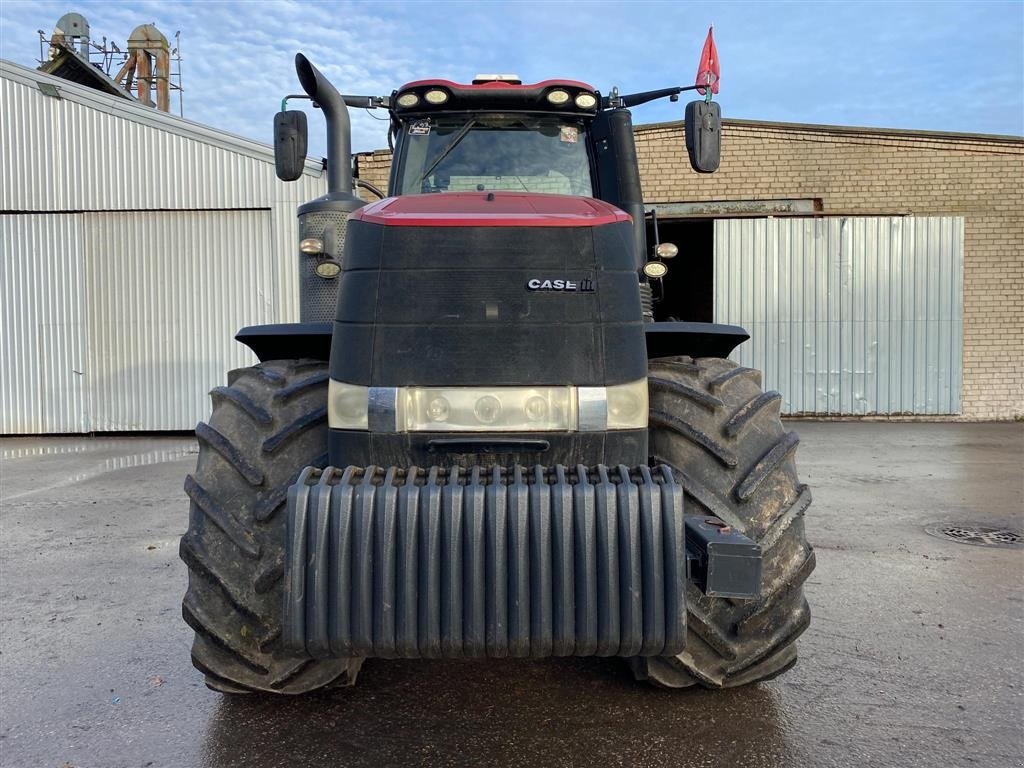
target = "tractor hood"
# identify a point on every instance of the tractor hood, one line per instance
(488, 289)
(490, 209)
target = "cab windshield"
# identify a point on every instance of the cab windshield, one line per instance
(466, 153)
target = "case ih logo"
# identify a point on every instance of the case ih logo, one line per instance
(586, 285)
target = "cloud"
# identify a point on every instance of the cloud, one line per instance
(915, 65)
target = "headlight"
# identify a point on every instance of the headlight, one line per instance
(586, 101)
(558, 97)
(494, 409)
(311, 246)
(623, 406)
(667, 250)
(487, 409)
(438, 410)
(627, 405)
(328, 269)
(347, 405)
(655, 270)
(436, 96)
(408, 99)
(536, 409)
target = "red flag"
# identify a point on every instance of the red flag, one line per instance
(708, 72)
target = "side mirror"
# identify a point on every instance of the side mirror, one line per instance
(290, 138)
(704, 135)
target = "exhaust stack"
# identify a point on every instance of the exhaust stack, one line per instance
(339, 127)
(324, 219)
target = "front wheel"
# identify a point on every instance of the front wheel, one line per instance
(268, 424)
(711, 421)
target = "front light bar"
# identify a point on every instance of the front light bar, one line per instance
(490, 409)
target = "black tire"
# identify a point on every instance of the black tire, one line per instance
(711, 422)
(267, 425)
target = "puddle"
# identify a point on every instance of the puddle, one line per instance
(161, 455)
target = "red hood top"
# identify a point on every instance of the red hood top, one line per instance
(490, 209)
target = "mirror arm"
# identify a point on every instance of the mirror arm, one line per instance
(358, 102)
(635, 99)
(365, 102)
(284, 101)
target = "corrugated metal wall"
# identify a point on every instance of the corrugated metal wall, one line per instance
(134, 245)
(42, 319)
(113, 333)
(161, 322)
(847, 315)
(91, 151)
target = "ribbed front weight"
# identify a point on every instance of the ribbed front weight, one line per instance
(517, 561)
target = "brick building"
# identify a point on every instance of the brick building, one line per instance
(879, 271)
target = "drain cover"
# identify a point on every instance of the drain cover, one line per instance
(978, 535)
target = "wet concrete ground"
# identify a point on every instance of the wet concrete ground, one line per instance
(914, 656)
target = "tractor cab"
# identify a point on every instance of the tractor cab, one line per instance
(557, 137)
(493, 135)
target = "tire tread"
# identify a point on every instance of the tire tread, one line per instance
(267, 424)
(733, 642)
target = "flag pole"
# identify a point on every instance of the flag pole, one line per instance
(707, 91)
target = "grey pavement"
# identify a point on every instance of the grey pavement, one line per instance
(914, 656)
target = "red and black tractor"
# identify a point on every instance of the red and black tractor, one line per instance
(482, 439)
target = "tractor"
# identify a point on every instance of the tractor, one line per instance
(484, 438)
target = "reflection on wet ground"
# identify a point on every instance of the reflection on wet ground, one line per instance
(565, 712)
(914, 656)
(103, 455)
(27, 447)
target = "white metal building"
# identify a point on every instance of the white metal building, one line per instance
(133, 245)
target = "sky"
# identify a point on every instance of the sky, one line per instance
(944, 66)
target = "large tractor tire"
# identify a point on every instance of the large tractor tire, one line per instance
(711, 422)
(267, 425)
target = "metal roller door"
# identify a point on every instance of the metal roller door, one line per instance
(848, 315)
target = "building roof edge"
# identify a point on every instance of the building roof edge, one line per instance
(849, 130)
(137, 112)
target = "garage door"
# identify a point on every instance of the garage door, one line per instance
(847, 315)
(124, 321)
(42, 316)
(167, 291)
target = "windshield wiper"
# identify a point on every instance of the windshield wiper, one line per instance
(459, 136)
